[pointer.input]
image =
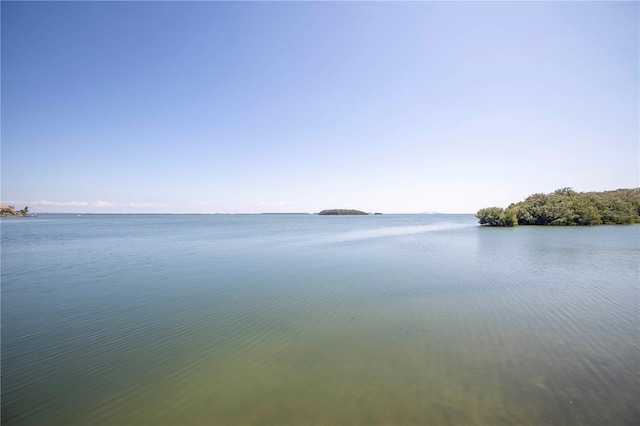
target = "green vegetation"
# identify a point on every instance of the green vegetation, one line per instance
(568, 207)
(342, 212)
(10, 211)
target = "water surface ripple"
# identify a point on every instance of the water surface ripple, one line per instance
(306, 319)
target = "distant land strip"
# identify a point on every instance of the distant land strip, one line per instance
(10, 211)
(341, 212)
(567, 207)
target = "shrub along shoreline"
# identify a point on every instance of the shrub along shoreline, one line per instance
(568, 207)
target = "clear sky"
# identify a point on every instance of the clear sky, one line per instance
(299, 106)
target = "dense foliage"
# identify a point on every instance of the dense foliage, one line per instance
(342, 212)
(10, 211)
(568, 207)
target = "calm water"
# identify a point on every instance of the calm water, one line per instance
(300, 319)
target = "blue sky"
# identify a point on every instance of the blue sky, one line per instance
(297, 107)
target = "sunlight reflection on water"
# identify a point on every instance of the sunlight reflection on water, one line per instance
(392, 231)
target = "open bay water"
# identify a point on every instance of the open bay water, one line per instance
(306, 319)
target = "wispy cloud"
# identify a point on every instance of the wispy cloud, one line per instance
(49, 203)
(150, 205)
(277, 203)
(91, 205)
(60, 203)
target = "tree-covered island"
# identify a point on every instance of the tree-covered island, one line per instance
(568, 207)
(342, 212)
(10, 211)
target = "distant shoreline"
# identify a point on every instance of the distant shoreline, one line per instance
(10, 211)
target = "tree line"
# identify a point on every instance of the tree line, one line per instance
(568, 207)
(10, 211)
(341, 212)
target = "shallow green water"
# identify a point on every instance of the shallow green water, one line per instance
(417, 319)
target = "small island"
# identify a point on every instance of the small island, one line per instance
(568, 207)
(342, 212)
(10, 211)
